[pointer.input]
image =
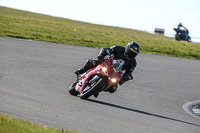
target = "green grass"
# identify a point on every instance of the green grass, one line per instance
(11, 125)
(27, 25)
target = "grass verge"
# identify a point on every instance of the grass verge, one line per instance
(11, 125)
(27, 25)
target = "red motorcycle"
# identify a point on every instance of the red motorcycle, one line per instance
(98, 79)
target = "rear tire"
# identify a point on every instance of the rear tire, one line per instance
(91, 90)
(178, 38)
(72, 90)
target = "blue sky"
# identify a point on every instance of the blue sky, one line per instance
(145, 15)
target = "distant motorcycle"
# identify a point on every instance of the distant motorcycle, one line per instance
(98, 79)
(182, 35)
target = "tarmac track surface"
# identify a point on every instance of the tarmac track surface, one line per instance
(34, 81)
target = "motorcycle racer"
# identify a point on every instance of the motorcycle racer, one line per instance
(127, 54)
(183, 30)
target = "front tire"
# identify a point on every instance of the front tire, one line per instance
(189, 39)
(87, 92)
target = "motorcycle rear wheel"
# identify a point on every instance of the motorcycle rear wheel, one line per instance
(87, 92)
(178, 38)
(72, 90)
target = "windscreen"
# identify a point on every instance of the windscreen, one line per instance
(117, 65)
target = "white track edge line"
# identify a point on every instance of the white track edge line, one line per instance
(186, 108)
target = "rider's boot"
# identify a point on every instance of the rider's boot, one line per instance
(88, 65)
(112, 88)
(79, 71)
(96, 94)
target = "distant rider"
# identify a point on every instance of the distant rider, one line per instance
(127, 54)
(184, 31)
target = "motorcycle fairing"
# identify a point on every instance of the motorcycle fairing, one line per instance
(80, 86)
(82, 81)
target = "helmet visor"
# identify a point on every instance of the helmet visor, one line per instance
(130, 55)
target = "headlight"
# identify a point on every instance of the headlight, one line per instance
(104, 69)
(113, 80)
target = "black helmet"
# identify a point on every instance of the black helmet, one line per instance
(132, 50)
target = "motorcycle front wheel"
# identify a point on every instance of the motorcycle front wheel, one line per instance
(189, 39)
(92, 88)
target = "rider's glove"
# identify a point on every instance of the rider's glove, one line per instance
(100, 58)
(121, 82)
(125, 78)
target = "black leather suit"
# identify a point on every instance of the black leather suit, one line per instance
(118, 53)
